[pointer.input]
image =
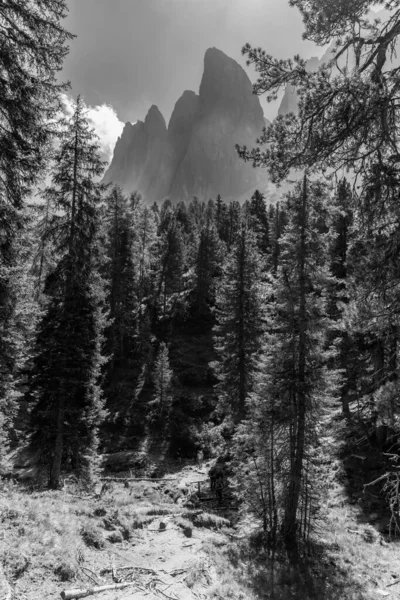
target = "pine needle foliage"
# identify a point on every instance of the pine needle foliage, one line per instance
(68, 361)
(293, 385)
(33, 45)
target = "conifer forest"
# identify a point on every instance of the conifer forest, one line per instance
(203, 368)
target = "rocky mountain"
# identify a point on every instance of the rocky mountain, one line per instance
(195, 155)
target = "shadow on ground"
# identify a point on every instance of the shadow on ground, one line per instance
(316, 576)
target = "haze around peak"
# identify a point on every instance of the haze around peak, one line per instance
(130, 55)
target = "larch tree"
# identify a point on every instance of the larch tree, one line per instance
(68, 356)
(347, 118)
(293, 384)
(162, 376)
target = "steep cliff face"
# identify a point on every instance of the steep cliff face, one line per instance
(139, 147)
(196, 156)
(228, 113)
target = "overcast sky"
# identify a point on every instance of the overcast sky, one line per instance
(130, 54)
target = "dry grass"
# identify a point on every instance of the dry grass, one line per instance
(359, 549)
(40, 531)
(52, 536)
(50, 532)
(210, 521)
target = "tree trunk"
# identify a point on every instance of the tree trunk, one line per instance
(55, 472)
(75, 594)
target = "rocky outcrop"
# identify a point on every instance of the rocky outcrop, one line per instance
(137, 150)
(196, 156)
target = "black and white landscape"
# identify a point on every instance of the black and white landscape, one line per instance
(199, 299)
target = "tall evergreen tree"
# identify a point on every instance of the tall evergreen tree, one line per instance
(33, 45)
(293, 383)
(121, 276)
(343, 206)
(257, 211)
(172, 265)
(144, 250)
(207, 269)
(239, 323)
(66, 372)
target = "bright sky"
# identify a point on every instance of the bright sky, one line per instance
(130, 54)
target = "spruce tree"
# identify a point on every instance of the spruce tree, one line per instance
(68, 357)
(120, 273)
(33, 45)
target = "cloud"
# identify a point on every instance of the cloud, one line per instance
(105, 122)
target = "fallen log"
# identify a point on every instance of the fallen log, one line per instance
(125, 568)
(135, 479)
(74, 594)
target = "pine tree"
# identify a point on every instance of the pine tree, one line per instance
(68, 361)
(239, 323)
(347, 116)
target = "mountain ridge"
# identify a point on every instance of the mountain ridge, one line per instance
(195, 154)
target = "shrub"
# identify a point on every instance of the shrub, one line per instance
(65, 571)
(92, 536)
(115, 537)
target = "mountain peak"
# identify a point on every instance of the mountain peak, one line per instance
(226, 84)
(196, 155)
(155, 123)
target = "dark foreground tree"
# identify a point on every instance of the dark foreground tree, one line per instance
(33, 45)
(346, 117)
(66, 373)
